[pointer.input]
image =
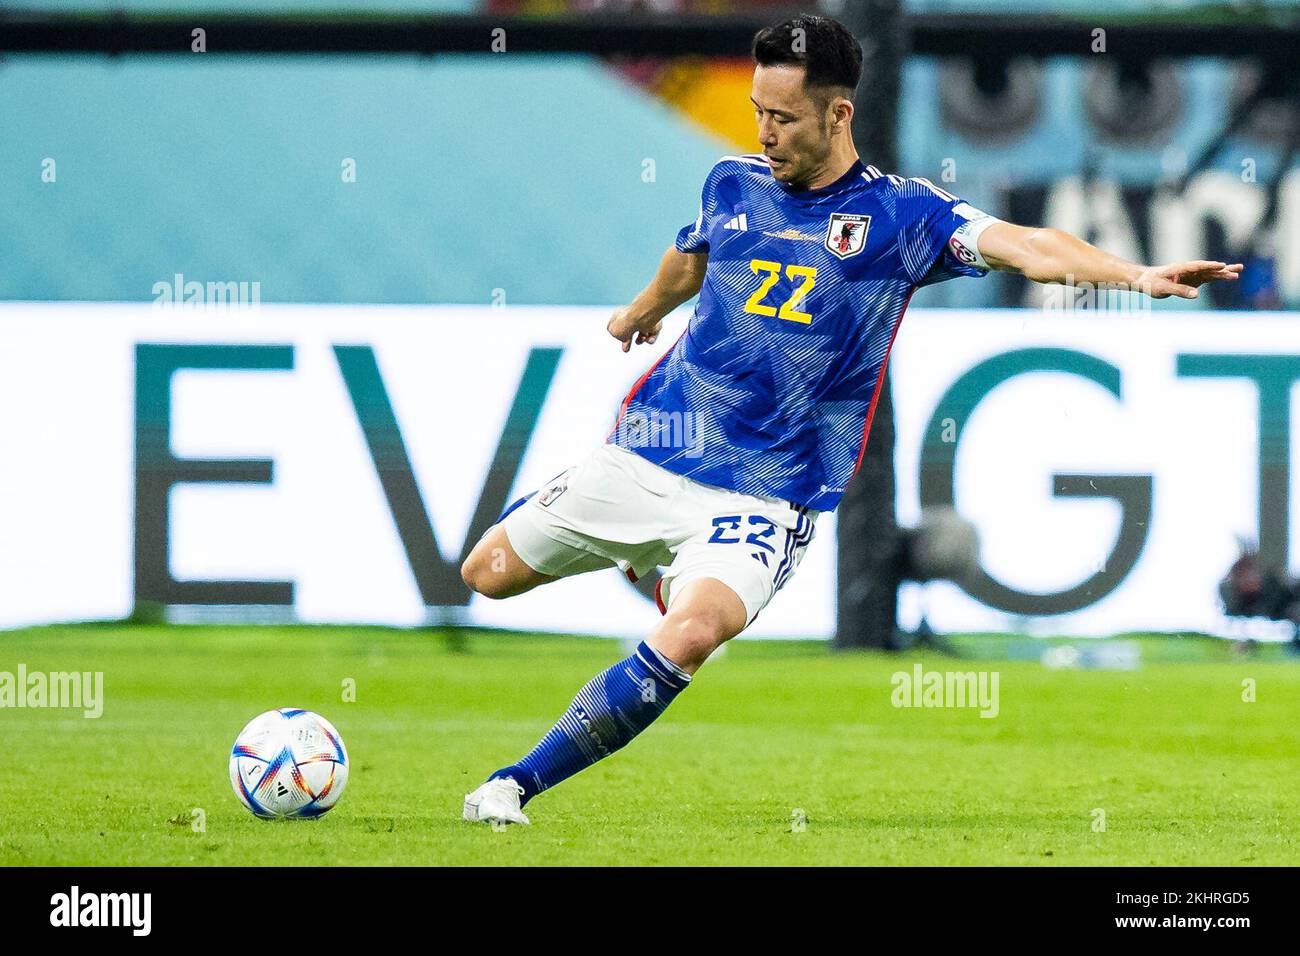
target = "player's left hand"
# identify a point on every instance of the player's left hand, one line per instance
(1184, 278)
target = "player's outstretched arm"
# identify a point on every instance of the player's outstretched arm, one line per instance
(680, 276)
(1050, 255)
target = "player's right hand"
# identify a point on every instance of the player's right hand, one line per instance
(625, 328)
(1184, 278)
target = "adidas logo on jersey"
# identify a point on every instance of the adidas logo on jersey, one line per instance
(737, 222)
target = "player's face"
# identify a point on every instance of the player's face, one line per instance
(793, 128)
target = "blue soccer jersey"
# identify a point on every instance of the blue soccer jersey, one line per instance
(771, 388)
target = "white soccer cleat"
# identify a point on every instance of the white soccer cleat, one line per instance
(497, 801)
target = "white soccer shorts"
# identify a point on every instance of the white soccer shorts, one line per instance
(615, 508)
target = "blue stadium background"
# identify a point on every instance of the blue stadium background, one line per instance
(474, 173)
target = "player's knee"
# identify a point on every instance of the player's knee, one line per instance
(481, 579)
(469, 573)
(700, 631)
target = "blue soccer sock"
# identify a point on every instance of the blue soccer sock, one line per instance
(612, 709)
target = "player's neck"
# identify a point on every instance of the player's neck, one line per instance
(839, 163)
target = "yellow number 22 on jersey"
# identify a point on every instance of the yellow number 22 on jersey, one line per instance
(773, 275)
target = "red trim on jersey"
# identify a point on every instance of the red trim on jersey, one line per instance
(627, 399)
(631, 575)
(880, 381)
(659, 596)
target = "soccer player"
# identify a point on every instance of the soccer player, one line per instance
(725, 452)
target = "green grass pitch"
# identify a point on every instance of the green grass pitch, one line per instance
(1185, 771)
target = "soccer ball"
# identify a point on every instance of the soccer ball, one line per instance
(288, 763)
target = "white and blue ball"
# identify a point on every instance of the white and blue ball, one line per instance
(288, 763)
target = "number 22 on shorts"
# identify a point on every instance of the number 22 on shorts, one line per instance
(727, 530)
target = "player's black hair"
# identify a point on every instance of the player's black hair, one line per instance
(828, 52)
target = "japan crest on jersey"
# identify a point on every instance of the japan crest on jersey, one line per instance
(846, 235)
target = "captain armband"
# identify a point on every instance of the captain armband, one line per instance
(963, 245)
